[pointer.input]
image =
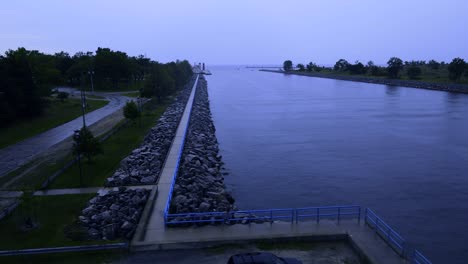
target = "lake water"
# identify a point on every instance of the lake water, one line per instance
(293, 141)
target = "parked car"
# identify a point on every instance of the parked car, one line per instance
(261, 258)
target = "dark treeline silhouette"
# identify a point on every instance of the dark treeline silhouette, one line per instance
(454, 71)
(28, 76)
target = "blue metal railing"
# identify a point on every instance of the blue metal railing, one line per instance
(338, 212)
(387, 233)
(267, 215)
(393, 239)
(418, 258)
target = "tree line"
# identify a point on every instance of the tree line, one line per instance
(394, 69)
(28, 76)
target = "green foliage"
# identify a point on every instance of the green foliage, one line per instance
(300, 67)
(26, 76)
(62, 96)
(414, 72)
(433, 64)
(357, 68)
(20, 96)
(131, 110)
(287, 65)
(313, 67)
(395, 65)
(87, 144)
(163, 79)
(341, 65)
(456, 69)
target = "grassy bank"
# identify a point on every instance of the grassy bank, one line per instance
(430, 84)
(55, 114)
(117, 147)
(53, 214)
(427, 75)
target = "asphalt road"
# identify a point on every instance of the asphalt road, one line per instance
(16, 155)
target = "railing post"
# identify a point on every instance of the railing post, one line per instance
(339, 214)
(297, 217)
(318, 215)
(365, 216)
(359, 215)
(377, 225)
(271, 216)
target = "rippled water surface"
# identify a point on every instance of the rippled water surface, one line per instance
(292, 141)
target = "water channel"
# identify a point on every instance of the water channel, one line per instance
(292, 141)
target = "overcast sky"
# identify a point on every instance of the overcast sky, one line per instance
(242, 32)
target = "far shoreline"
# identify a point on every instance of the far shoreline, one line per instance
(446, 87)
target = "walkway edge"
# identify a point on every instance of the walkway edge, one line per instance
(149, 207)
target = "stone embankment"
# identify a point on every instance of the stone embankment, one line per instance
(448, 87)
(144, 164)
(200, 185)
(115, 214)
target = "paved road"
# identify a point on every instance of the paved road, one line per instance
(13, 156)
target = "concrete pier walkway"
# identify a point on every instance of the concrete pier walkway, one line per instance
(154, 224)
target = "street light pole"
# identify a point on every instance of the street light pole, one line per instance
(83, 104)
(91, 73)
(77, 139)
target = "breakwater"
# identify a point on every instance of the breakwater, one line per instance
(144, 164)
(200, 185)
(117, 213)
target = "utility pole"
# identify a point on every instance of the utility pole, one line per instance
(77, 139)
(91, 73)
(83, 104)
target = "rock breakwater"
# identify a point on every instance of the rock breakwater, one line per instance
(115, 214)
(144, 164)
(200, 185)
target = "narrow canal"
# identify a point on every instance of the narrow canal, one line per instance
(292, 141)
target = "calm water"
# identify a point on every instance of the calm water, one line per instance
(291, 141)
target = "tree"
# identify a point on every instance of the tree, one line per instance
(357, 68)
(131, 111)
(395, 65)
(87, 144)
(433, 64)
(20, 94)
(456, 69)
(287, 65)
(341, 65)
(62, 96)
(301, 67)
(414, 72)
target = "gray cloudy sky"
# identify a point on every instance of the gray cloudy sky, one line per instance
(242, 32)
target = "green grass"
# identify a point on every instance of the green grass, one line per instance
(115, 148)
(134, 94)
(55, 114)
(427, 75)
(52, 213)
(91, 96)
(34, 178)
